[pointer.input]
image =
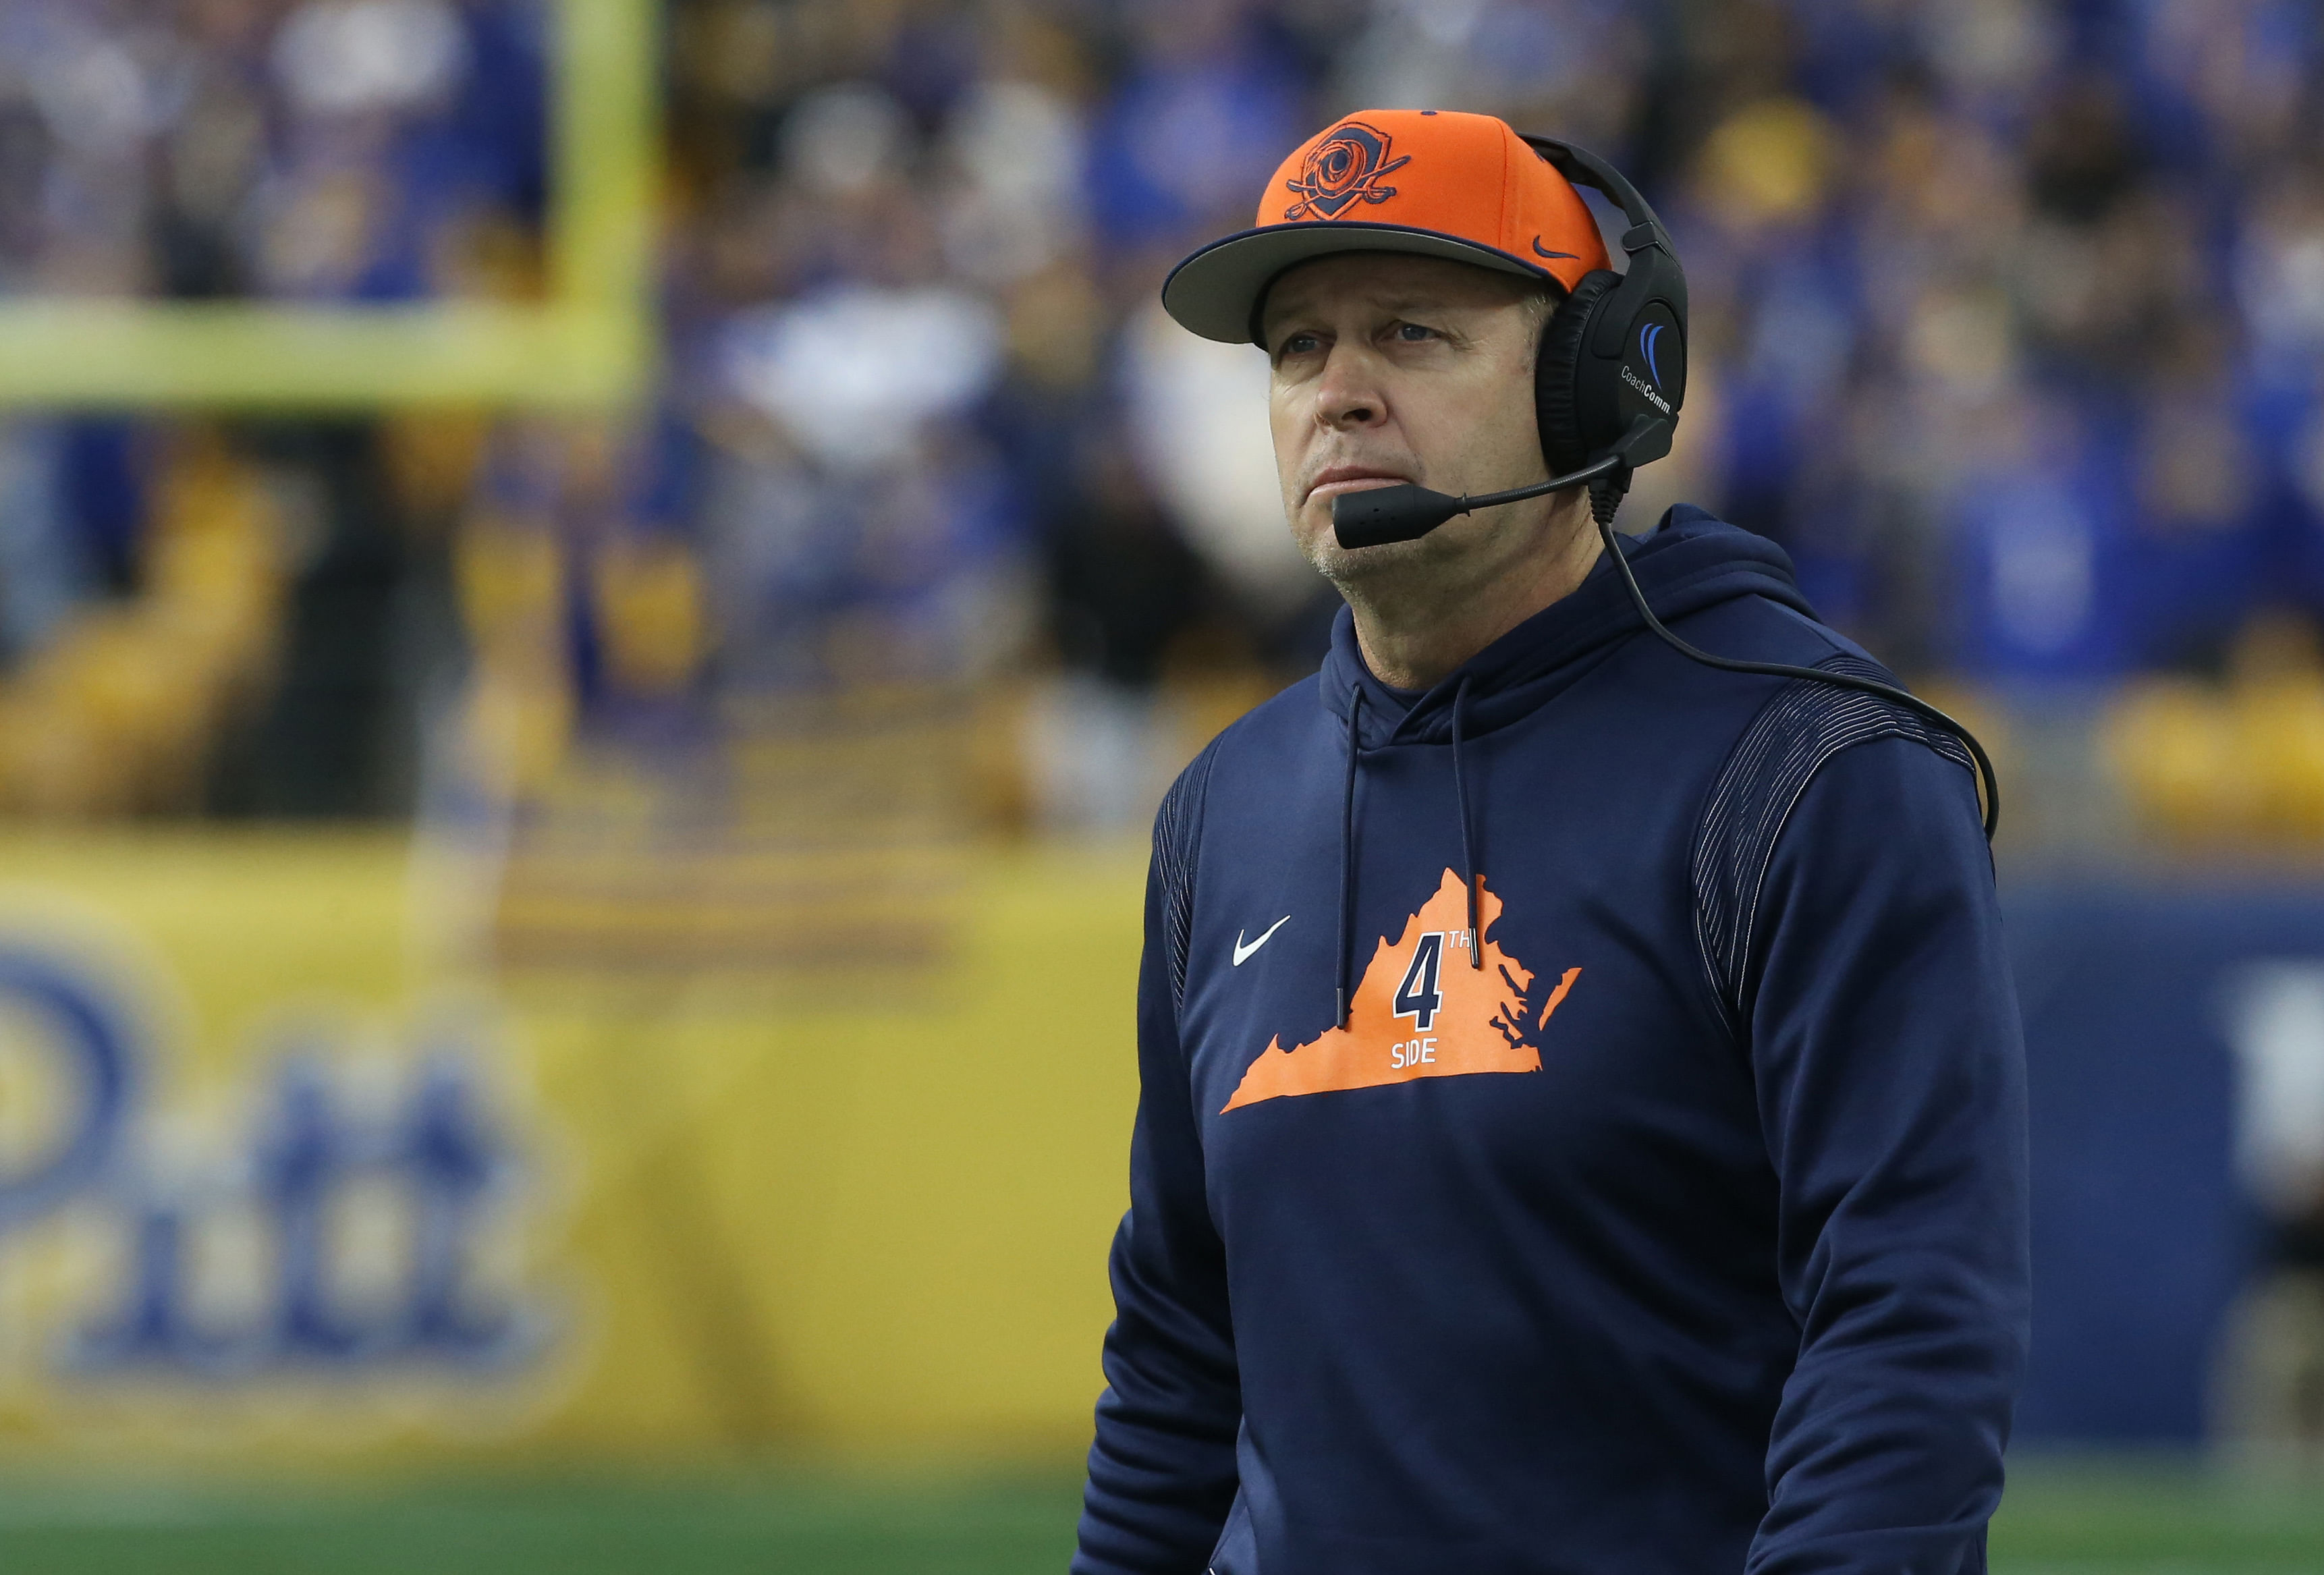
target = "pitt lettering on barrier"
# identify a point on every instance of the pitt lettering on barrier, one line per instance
(351, 1195)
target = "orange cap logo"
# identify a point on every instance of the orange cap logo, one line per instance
(1343, 170)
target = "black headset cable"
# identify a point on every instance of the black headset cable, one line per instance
(1888, 692)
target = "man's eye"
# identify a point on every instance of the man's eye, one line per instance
(1414, 333)
(1298, 344)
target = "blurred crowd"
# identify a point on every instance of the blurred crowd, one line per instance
(2008, 323)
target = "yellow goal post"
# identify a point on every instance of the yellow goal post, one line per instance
(589, 342)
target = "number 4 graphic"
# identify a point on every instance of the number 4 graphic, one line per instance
(1417, 997)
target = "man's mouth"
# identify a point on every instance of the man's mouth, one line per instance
(1353, 478)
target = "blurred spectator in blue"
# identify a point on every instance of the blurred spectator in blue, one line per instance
(409, 124)
(1206, 107)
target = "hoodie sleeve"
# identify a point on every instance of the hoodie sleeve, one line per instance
(1162, 1472)
(1887, 1058)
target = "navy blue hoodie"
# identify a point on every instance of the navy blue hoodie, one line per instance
(1667, 1217)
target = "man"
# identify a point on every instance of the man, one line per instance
(1581, 1126)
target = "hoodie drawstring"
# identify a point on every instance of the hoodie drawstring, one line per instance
(1343, 960)
(1348, 854)
(1468, 852)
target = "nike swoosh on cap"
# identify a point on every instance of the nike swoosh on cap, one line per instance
(1242, 951)
(1545, 252)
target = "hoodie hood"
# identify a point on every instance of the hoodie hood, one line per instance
(1688, 562)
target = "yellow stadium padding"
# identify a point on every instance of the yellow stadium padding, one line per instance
(738, 1220)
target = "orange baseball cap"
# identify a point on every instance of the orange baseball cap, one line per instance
(1435, 182)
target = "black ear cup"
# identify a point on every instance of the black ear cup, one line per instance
(1615, 350)
(1557, 372)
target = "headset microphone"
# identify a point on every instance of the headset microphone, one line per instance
(1377, 516)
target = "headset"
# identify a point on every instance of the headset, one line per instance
(1609, 380)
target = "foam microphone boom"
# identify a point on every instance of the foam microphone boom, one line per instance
(1377, 516)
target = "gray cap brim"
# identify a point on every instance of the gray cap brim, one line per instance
(1217, 291)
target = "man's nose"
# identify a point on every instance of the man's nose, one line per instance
(1349, 394)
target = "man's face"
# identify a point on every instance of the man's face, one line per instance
(1392, 368)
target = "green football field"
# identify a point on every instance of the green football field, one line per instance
(2085, 1518)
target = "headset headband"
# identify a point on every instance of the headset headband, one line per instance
(1584, 168)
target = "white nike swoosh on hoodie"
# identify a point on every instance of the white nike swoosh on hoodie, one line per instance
(1242, 950)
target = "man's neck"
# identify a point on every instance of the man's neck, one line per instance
(1415, 629)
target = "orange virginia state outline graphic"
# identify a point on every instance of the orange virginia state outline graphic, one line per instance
(1461, 1020)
